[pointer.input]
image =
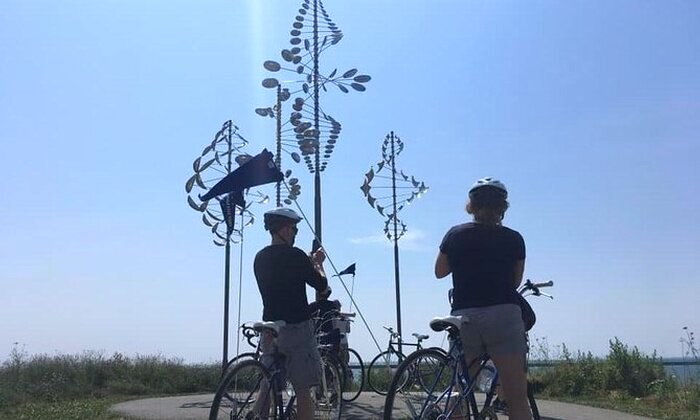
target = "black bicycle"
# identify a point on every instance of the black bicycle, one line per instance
(450, 390)
(383, 366)
(250, 390)
(347, 359)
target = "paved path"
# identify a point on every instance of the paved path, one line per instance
(368, 406)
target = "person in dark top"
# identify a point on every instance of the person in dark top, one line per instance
(282, 272)
(487, 260)
(324, 311)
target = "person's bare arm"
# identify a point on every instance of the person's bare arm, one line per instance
(442, 266)
(518, 272)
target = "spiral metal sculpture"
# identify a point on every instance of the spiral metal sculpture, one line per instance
(404, 190)
(313, 130)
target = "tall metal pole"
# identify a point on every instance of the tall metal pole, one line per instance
(278, 155)
(317, 133)
(396, 239)
(227, 276)
(227, 270)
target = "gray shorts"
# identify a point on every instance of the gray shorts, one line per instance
(297, 343)
(496, 330)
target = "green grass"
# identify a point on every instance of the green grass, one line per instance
(79, 409)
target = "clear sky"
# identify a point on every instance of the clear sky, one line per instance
(589, 111)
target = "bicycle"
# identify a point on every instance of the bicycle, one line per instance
(250, 390)
(383, 366)
(348, 360)
(451, 390)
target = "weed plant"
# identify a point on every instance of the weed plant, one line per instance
(625, 380)
(44, 378)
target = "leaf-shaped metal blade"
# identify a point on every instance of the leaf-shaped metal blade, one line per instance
(358, 87)
(192, 203)
(213, 216)
(189, 184)
(365, 188)
(343, 88)
(330, 76)
(206, 220)
(207, 149)
(207, 164)
(371, 200)
(380, 166)
(272, 65)
(218, 243)
(295, 157)
(349, 73)
(369, 176)
(200, 183)
(293, 181)
(270, 83)
(363, 78)
(261, 111)
(287, 201)
(380, 209)
(287, 55)
(195, 164)
(287, 173)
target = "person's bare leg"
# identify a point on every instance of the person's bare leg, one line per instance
(305, 406)
(513, 379)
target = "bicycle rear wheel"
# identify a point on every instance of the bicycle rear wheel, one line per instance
(327, 397)
(533, 403)
(422, 388)
(246, 391)
(382, 369)
(354, 376)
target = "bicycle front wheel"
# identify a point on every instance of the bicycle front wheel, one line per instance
(354, 376)
(381, 370)
(422, 389)
(327, 396)
(246, 391)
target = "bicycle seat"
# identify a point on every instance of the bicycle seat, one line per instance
(447, 322)
(272, 326)
(420, 337)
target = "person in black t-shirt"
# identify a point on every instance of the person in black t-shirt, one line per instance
(487, 260)
(325, 311)
(282, 272)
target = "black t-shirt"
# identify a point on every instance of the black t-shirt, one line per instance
(327, 310)
(482, 258)
(282, 273)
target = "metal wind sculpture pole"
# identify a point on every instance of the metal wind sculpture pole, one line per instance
(215, 162)
(313, 32)
(282, 143)
(389, 205)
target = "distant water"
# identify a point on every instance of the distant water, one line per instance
(683, 373)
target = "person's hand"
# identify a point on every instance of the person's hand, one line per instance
(318, 257)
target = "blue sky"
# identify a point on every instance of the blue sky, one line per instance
(588, 111)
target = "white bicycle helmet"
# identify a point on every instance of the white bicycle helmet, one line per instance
(280, 217)
(491, 183)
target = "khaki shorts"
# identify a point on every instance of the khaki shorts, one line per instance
(297, 342)
(496, 330)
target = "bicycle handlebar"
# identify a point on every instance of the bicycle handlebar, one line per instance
(249, 333)
(545, 284)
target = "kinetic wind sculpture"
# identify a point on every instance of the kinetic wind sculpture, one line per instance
(389, 205)
(216, 162)
(314, 131)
